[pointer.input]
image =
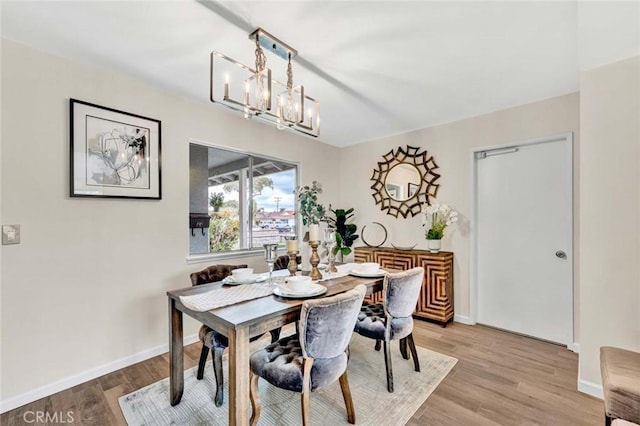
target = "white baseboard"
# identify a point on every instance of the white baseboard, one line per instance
(590, 388)
(574, 347)
(463, 320)
(66, 383)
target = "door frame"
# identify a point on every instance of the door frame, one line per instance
(473, 238)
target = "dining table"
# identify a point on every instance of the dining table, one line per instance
(240, 322)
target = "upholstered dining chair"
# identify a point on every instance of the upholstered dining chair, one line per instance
(282, 262)
(212, 341)
(314, 358)
(391, 319)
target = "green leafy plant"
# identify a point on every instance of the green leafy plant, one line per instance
(345, 232)
(224, 232)
(311, 211)
(216, 201)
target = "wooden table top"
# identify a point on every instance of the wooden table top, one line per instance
(254, 310)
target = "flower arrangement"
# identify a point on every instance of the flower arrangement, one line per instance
(437, 217)
(310, 210)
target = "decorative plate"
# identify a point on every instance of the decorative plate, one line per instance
(403, 247)
(356, 273)
(257, 278)
(314, 290)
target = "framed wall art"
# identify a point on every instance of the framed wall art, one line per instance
(114, 154)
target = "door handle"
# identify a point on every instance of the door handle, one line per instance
(561, 254)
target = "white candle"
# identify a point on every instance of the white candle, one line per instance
(314, 232)
(292, 246)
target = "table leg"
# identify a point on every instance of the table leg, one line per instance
(239, 376)
(176, 354)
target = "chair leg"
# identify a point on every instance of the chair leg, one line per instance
(217, 369)
(306, 391)
(348, 401)
(204, 354)
(607, 420)
(387, 363)
(403, 348)
(414, 353)
(378, 344)
(254, 395)
(275, 334)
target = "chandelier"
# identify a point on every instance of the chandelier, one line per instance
(255, 93)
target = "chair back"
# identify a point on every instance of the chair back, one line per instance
(213, 274)
(401, 292)
(326, 324)
(282, 262)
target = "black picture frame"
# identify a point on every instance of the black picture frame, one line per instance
(113, 153)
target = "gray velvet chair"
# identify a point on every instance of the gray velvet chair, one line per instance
(391, 319)
(316, 357)
(212, 341)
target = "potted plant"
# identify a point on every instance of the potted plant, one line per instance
(216, 201)
(437, 217)
(311, 211)
(345, 232)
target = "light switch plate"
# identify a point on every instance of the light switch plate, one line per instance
(10, 234)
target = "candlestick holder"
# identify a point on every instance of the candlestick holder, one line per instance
(270, 255)
(330, 243)
(292, 266)
(315, 259)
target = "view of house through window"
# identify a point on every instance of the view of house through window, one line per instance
(248, 200)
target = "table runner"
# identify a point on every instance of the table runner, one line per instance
(226, 296)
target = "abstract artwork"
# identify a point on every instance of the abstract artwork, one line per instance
(113, 153)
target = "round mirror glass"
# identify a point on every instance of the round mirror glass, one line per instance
(402, 182)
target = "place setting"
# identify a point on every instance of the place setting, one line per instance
(367, 270)
(243, 276)
(299, 287)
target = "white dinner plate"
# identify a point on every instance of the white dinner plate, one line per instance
(314, 290)
(356, 273)
(256, 278)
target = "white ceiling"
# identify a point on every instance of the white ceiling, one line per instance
(378, 68)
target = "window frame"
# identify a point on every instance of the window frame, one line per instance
(243, 252)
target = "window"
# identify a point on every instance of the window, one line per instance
(247, 200)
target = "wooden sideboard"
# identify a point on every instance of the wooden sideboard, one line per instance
(436, 298)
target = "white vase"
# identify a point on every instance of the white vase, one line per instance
(434, 245)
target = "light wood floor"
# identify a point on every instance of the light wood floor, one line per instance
(500, 379)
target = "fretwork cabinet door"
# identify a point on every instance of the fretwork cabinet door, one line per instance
(436, 298)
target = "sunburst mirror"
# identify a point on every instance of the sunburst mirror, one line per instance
(404, 181)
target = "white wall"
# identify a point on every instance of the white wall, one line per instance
(87, 284)
(610, 213)
(450, 144)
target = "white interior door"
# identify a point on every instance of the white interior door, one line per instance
(524, 239)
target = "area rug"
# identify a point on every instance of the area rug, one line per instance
(367, 379)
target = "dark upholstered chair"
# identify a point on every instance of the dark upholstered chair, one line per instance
(282, 262)
(620, 371)
(391, 319)
(212, 341)
(314, 358)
